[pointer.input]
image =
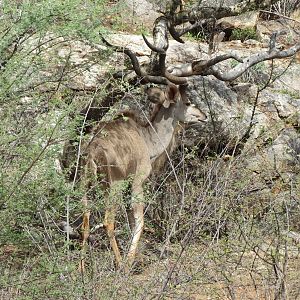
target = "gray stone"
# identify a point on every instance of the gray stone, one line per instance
(244, 21)
(143, 11)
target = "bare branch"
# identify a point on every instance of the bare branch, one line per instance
(280, 15)
(199, 67)
(157, 71)
(252, 60)
(208, 67)
(193, 26)
(219, 59)
(217, 12)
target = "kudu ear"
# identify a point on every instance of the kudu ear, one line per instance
(172, 94)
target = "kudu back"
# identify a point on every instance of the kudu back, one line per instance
(125, 149)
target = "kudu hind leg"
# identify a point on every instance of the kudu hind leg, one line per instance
(85, 229)
(109, 223)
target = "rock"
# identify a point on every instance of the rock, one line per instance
(282, 104)
(282, 155)
(214, 3)
(140, 11)
(244, 21)
(230, 109)
(284, 84)
(228, 117)
(253, 43)
(286, 34)
(285, 149)
(246, 92)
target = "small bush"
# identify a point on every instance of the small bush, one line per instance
(243, 34)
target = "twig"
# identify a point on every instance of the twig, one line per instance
(279, 15)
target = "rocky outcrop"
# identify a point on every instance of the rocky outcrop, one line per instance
(271, 144)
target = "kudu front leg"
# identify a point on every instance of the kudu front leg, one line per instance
(138, 216)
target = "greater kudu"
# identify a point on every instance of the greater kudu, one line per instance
(125, 149)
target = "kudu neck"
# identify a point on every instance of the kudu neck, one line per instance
(160, 133)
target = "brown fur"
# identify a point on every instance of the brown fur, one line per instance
(115, 155)
(132, 114)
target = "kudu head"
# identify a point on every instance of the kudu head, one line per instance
(172, 98)
(175, 99)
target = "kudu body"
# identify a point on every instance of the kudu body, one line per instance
(125, 149)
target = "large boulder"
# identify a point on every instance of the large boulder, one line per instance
(247, 20)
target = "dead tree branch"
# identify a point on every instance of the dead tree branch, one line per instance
(217, 12)
(252, 60)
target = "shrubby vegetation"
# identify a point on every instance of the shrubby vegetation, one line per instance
(214, 229)
(36, 103)
(243, 34)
